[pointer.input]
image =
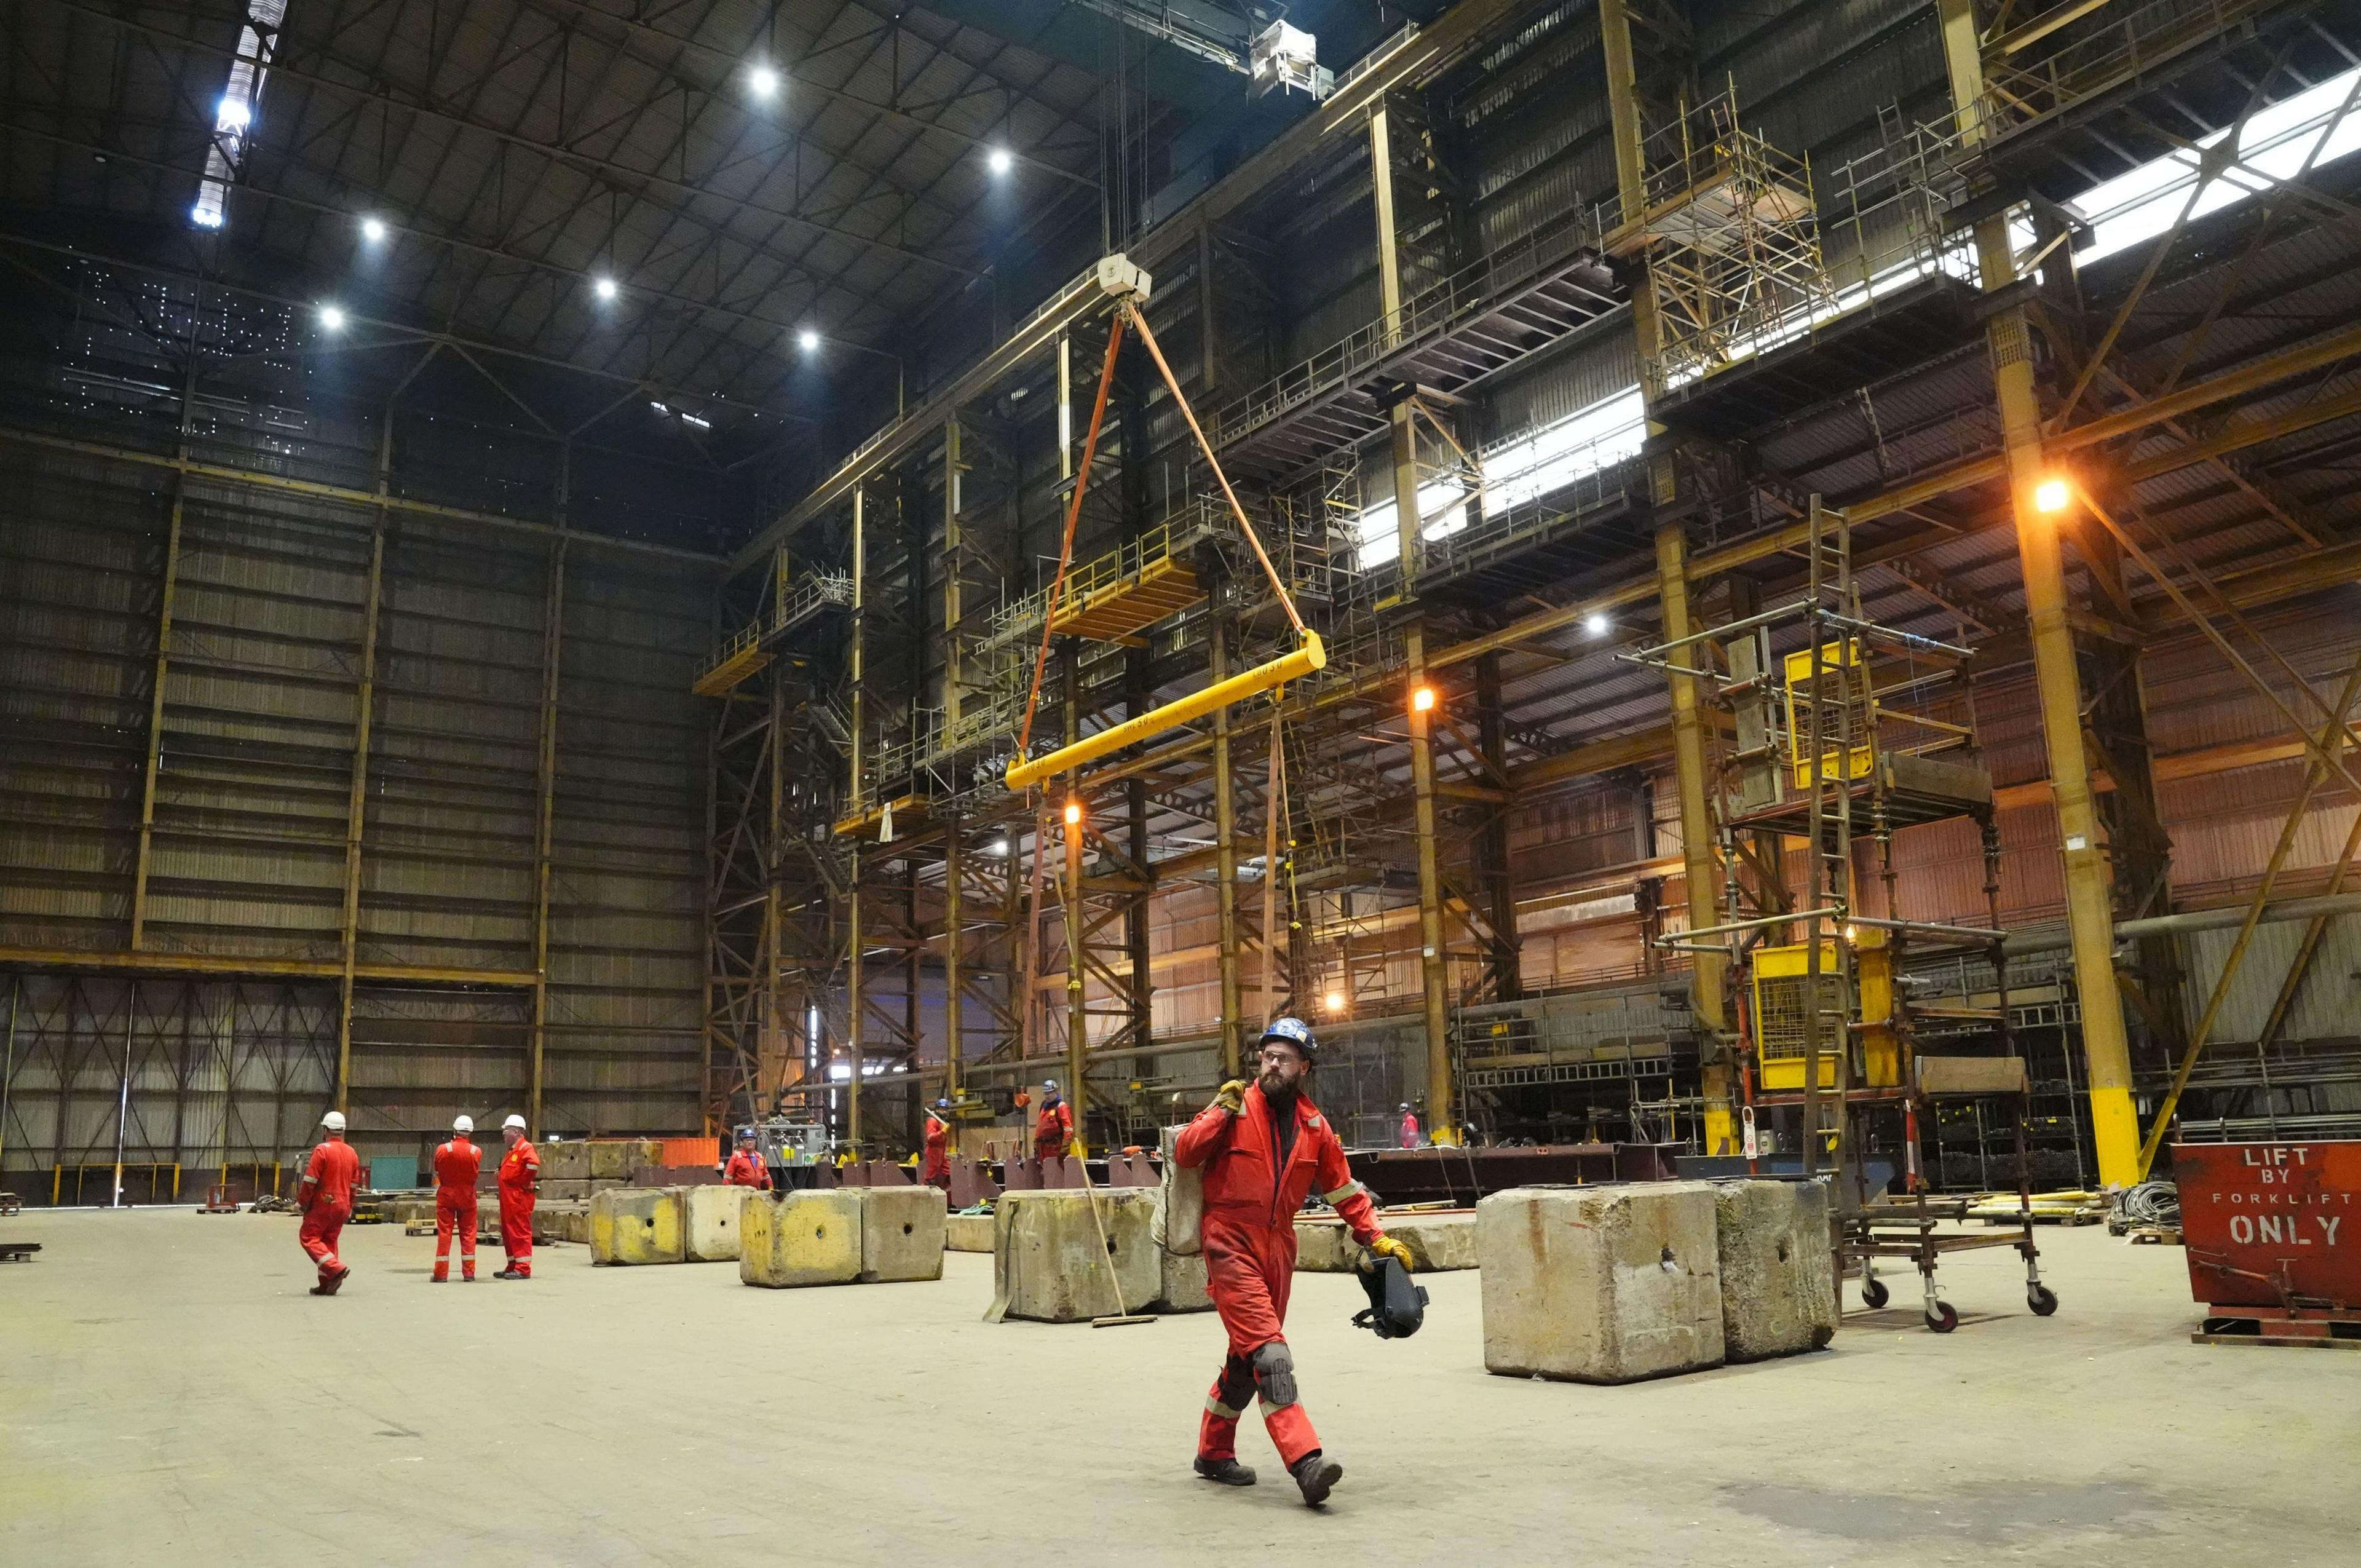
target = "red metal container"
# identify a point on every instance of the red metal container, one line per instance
(2272, 1225)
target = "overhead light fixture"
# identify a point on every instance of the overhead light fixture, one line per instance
(1336, 1001)
(807, 340)
(332, 318)
(762, 82)
(373, 230)
(1073, 814)
(2050, 495)
(1000, 847)
(1000, 161)
(1421, 700)
(1596, 623)
(603, 287)
(235, 114)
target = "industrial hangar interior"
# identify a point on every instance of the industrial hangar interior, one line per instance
(1657, 695)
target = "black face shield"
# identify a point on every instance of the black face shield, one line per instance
(1395, 1307)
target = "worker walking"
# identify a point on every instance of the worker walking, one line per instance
(519, 1176)
(746, 1168)
(325, 1196)
(935, 1169)
(1053, 1130)
(1410, 1138)
(457, 1164)
(1263, 1147)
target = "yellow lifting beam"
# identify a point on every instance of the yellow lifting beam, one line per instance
(1308, 656)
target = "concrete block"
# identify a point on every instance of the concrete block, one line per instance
(1778, 1292)
(564, 1190)
(562, 1222)
(967, 1233)
(796, 1238)
(635, 1226)
(1607, 1284)
(710, 1221)
(1437, 1243)
(1184, 1284)
(902, 1232)
(1046, 1258)
(616, 1158)
(561, 1162)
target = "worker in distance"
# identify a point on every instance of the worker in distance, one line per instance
(1263, 1147)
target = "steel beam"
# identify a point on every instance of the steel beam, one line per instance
(1225, 849)
(553, 643)
(356, 813)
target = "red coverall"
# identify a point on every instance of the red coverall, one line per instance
(1249, 1233)
(1410, 1130)
(936, 1167)
(457, 1164)
(520, 1169)
(1053, 1132)
(746, 1169)
(326, 1199)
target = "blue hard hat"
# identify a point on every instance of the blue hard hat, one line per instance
(744, 1133)
(1295, 1031)
(943, 1104)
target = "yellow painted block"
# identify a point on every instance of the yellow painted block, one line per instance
(636, 1226)
(791, 1239)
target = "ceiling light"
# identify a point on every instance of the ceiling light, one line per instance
(332, 318)
(1421, 700)
(1000, 161)
(1335, 1000)
(373, 230)
(807, 340)
(603, 287)
(1000, 847)
(2050, 496)
(205, 215)
(1596, 623)
(234, 114)
(762, 82)
(1073, 814)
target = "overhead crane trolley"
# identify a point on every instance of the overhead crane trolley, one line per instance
(1838, 1023)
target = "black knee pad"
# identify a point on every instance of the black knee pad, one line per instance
(1274, 1371)
(1237, 1383)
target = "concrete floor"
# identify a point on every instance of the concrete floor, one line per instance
(169, 1395)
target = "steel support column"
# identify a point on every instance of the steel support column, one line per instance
(1071, 812)
(1434, 965)
(355, 811)
(954, 941)
(1225, 849)
(544, 832)
(2106, 1046)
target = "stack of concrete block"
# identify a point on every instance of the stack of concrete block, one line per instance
(710, 1221)
(1607, 1284)
(798, 1237)
(565, 1172)
(1778, 1283)
(562, 1222)
(636, 1226)
(1051, 1266)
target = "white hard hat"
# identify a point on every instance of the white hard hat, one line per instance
(463, 1123)
(333, 1121)
(514, 1121)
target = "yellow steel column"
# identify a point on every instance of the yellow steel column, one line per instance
(2106, 1046)
(1071, 812)
(856, 1003)
(355, 808)
(954, 938)
(1701, 862)
(156, 719)
(954, 580)
(553, 638)
(1225, 856)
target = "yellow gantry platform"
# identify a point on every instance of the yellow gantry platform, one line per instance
(867, 824)
(1111, 611)
(737, 662)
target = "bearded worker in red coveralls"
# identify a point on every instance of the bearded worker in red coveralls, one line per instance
(1053, 1130)
(746, 1168)
(326, 1197)
(520, 1184)
(1263, 1147)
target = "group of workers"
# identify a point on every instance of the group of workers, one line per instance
(325, 1198)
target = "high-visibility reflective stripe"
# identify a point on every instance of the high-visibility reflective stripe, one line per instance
(1267, 1407)
(1219, 1409)
(1333, 1199)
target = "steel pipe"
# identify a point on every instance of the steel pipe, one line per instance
(1309, 657)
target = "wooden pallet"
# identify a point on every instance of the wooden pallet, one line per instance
(2155, 1235)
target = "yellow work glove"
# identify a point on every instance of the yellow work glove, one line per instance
(1386, 1246)
(1232, 1097)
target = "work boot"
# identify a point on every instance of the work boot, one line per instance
(1228, 1472)
(332, 1283)
(1316, 1475)
(439, 1279)
(510, 1274)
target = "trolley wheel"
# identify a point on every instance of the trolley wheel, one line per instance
(1874, 1293)
(2041, 1299)
(1942, 1317)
